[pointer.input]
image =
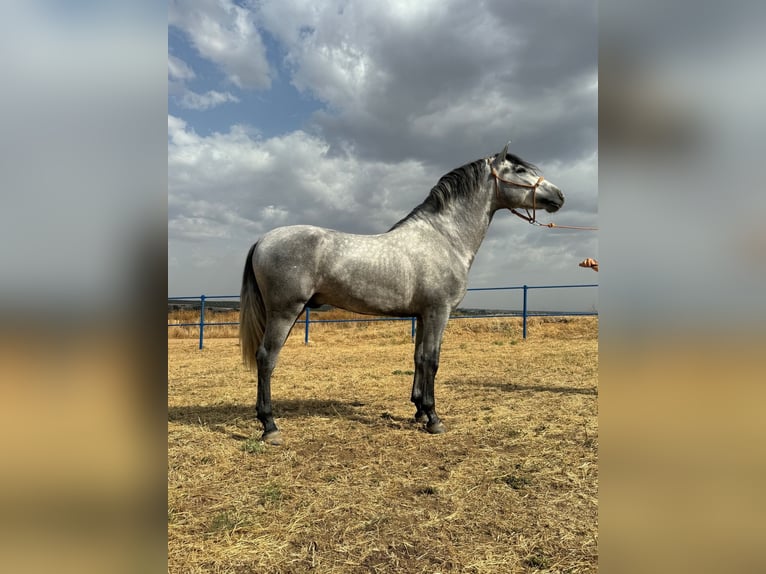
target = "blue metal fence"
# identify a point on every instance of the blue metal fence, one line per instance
(307, 321)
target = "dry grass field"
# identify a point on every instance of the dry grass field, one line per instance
(357, 487)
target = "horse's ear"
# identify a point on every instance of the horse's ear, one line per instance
(501, 156)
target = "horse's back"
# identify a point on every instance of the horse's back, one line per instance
(288, 238)
(363, 273)
(394, 273)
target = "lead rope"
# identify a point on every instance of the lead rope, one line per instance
(531, 218)
(552, 225)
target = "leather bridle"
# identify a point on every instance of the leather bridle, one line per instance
(531, 218)
(528, 217)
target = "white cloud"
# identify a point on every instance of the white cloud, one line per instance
(242, 183)
(397, 75)
(210, 99)
(179, 70)
(579, 181)
(445, 116)
(339, 75)
(338, 54)
(225, 34)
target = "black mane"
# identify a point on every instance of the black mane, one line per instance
(458, 183)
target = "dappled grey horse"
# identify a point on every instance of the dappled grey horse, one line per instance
(418, 268)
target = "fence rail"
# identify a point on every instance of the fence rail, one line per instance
(307, 321)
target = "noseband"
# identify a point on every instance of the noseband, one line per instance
(528, 217)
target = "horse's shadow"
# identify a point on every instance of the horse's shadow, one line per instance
(517, 387)
(239, 419)
(225, 416)
(226, 413)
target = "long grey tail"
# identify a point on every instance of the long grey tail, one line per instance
(252, 314)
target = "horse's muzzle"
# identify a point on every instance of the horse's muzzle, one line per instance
(553, 200)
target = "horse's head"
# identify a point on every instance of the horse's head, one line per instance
(519, 184)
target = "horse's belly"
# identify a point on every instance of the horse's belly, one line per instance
(368, 289)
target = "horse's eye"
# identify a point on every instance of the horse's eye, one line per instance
(520, 169)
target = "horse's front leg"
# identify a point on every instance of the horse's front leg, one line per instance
(417, 382)
(434, 323)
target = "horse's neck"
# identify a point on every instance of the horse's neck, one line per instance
(463, 224)
(466, 224)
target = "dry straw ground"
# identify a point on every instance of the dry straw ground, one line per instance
(511, 487)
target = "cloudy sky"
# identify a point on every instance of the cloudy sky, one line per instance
(345, 114)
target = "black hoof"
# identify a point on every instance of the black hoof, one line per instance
(273, 438)
(436, 428)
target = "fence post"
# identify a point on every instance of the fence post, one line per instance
(412, 331)
(306, 335)
(524, 315)
(201, 320)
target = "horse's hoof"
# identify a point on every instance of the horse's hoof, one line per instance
(273, 438)
(436, 428)
(420, 418)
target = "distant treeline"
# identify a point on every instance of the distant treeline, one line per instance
(214, 306)
(228, 306)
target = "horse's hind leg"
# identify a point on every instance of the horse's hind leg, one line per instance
(277, 329)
